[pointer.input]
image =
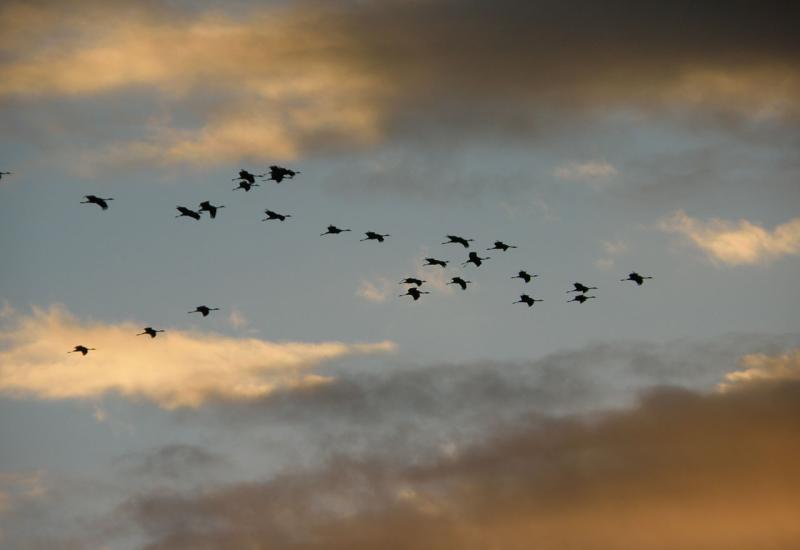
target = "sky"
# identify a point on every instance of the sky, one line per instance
(317, 408)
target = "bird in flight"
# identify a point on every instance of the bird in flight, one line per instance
(525, 299)
(93, 199)
(458, 240)
(460, 282)
(150, 331)
(372, 236)
(412, 281)
(246, 185)
(581, 288)
(187, 212)
(525, 276)
(246, 176)
(414, 292)
(581, 298)
(434, 261)
(279, 173)
(4, 174)
(205, 310)
(635, 277)
(81, 349)
(475, 259)
(275, 216)
(500, 245)
(333, 230)
(206, 206)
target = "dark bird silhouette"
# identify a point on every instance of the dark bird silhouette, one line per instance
(4, 174)
(372, 236)
(458, 240)
(434, 261)
(581, 298)
(206, 206)
(635, 277)
(279, 173)
(581, 288)
(525, 276)
(150, 331)
(205, 310)
(525, 299)
(81, 349)
(475, 259)
(412, 281)
(275, 216)
(333, 230)
(414, 292)
(246, 185)
(93, 199)
(460, 282)
(244, 175)
(187, 212)
(500, 245)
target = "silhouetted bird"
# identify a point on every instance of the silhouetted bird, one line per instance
(275, 216)
(525, 276)
(187, 213)
(412, 281)
(206, 206)
(581, 298)
(458, 240)
(475, 259)
(372, 236)
(150, 331)
(434, 261)
(92, 199)
(244, 175)
(4, 174)
(279, 173)
(414, 292)
(205, 310)
(635, 277)
(246, 185)
(500, 245)
(460, 282)
(333, 230)
(581, 288)
(525, 299)
(81, 349)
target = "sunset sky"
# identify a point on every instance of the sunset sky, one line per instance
(318, 409)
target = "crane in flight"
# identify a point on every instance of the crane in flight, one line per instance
(246, 185)
(434, 261)
(581, 298)
(279, 173)
(187, 212)
(150, 331)
(458, 240)
(4, 174)
(414, 292)
(94, 199)
(525, 276)
(206, 206)
(81, 349)
(205, 310)
(244, 175)
(333, 230)
(460, 282)
(635, 277)
(372, 236)
(412, 281)
(581, 288)
(475, 259)
(525, 299)
(271, 215)
(500, 245)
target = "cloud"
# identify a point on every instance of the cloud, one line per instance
(760, 368)
(178, 369)
(668, 473)
(736, 243)
(612, 249)
(378, 291)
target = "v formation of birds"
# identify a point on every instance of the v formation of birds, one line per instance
(248, 180)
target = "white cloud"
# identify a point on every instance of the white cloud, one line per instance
(612, 249)
(736, 243)
(378, 291)
(177, 369)
(759, 367)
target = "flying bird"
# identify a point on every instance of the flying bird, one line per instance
(206, 206)
(412, 281)
(333, 230)
(246, 176)
(414, 292)
(279, 173)
(460, 282)
(205, 310)
(4, 174)
(93, 199)
(525, 276)
(500, 245)
(525, 299)
(458, 240)
(246, 185)
(434, 261)
(581, 288)
(635, 277)
(150, 331)
(372, 236)
(81, 349)
(581, 298)
(275, 216)
(187, 212)
(475, 259)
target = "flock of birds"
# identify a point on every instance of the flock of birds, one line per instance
(247, 181)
